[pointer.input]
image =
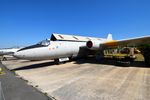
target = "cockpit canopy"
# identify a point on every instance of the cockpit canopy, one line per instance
(44, 43)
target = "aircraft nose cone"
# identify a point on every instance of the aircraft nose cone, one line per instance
(18, 55)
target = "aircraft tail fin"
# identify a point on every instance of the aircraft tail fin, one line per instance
(109, 37)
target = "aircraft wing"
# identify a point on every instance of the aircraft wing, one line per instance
(127, 42)
(115, 43)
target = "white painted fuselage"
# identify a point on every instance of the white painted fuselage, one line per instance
(54, 50)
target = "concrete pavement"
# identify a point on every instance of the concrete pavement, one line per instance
(85, 81)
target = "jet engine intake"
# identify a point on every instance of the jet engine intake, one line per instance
(93, 45)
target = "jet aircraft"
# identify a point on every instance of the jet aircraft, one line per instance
(7, 51)
(62, 47)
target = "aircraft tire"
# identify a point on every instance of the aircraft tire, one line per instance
(4, 59)
(56, 61)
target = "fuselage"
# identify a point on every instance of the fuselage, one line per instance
(64, 46)
(50, 50)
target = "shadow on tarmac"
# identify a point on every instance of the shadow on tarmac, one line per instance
(45, 64)
(139, 64)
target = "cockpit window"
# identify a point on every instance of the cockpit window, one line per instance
(44, 43)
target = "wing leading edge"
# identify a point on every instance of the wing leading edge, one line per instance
(127, 42)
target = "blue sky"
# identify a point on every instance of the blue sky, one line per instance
(25, 22)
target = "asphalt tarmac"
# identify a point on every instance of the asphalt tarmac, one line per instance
(15, 88)
(85, 79)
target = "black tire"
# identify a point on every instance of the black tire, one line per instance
(70, 59)
(56, 61)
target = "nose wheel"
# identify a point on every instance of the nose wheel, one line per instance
(61, 60)
(4, 59)
(56, 61)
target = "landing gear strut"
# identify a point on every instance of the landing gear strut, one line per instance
(4, 59)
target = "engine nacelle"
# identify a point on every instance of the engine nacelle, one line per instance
(93, 45)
